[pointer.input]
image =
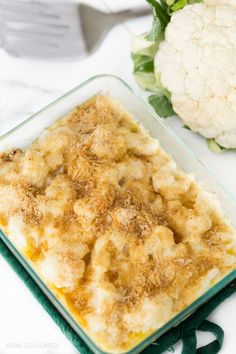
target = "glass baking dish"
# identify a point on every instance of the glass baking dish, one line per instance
(25, 133)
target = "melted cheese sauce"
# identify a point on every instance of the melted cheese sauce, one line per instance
(122, 236)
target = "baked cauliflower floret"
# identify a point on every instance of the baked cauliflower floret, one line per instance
(101, 257)
(63, 266)
(110, 176)
(9, 198)
(9, 162)
(202, 94)
(157, 206)
(19, 199)
(106, 144)
(34, 168)
(61, 188)
(84, 212)
(160, 240)
(123, 216)
(189, 224)
(139, 191)
(95, 205)
(150, 314)
(16, 229)
(62, 271)
(170, 182)
(79, 168)
(132, 169)
(57, 139)
(104, 297)
(141, 144)
(54, 160)
(58, 198)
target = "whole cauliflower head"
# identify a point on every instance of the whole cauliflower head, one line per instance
(196, 63)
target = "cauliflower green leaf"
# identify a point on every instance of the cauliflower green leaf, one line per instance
(156, 31)
(161, 105)
(212, 144)
(143, 63)
(160, 12)
(178, 5)
(147, 43)
(147, 81)
(144, 72)
(217, 148)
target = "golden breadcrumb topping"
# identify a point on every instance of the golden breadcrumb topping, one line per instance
(116, 229)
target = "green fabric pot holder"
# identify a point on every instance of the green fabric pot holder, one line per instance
(186, 330)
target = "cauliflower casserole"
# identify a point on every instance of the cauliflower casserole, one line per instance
(119, 233)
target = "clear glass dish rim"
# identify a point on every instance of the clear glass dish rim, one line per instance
(46, 290)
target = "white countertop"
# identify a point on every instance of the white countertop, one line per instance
(25, 87)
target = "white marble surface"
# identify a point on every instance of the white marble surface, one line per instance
(25, 87)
